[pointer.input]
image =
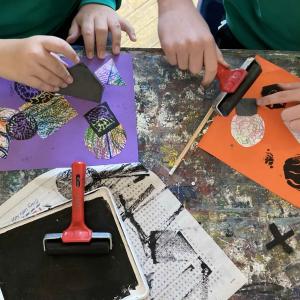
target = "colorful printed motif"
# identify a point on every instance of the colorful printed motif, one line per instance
(101, 119)
(26, 92)
(109, 74)
(247, 131)
(107, 146)
(50, 116)
(21, 126)
(44, 113)
(4, 140)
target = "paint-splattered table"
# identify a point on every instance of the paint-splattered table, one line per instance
(235, 211)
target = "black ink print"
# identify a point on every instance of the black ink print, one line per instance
(269, 159)
(291, 170)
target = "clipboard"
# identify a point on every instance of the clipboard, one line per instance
(26, 272)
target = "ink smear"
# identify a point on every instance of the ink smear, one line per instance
(269, 159)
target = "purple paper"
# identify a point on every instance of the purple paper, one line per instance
(67, 143)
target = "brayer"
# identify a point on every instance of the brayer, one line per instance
(233, 85)
(77, 238)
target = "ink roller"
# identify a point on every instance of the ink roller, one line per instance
(233, 86)
(77, 238)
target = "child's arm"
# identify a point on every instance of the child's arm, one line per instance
(186, 38)
(291, 93)
(94, 21)
(29, 61)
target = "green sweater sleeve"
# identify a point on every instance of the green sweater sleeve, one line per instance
(114, 4)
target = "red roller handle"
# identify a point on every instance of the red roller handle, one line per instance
(229, 79)
(77, 232)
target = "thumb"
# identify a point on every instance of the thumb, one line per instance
(221, 59)
(60, 46)
(126, 26)
(74, 32)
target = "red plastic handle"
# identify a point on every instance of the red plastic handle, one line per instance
(230, 80)
(77, 232)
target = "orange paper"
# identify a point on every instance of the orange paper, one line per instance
(274, 161)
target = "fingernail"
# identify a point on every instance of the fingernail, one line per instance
(77, 59)
(56, 89)
(117, 49)
(90, 55)
(69, 79)
(259, 102)
(64, 85)
(101, 54)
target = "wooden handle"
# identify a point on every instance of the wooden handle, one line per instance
(191, 141)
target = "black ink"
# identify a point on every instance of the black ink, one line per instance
(280, 239)
(169, 246)
(269, 159)
(205, 268)
(229, 232)
(291, 170)
(128, 214)
(64, 182)
(140, 178)
(175, 214)
(142, 197)
(26, 272)
(152, 244)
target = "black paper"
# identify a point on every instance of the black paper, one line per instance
(85, 84)
(246, 107)
(26, 272)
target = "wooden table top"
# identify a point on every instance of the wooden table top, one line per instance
(234, 210)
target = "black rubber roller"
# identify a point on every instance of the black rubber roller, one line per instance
(95, 247)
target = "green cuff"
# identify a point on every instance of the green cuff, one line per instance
(114, 4)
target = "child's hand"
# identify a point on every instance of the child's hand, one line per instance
(291, 93)
(186, 39)
(31, 61)
(93, 22)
